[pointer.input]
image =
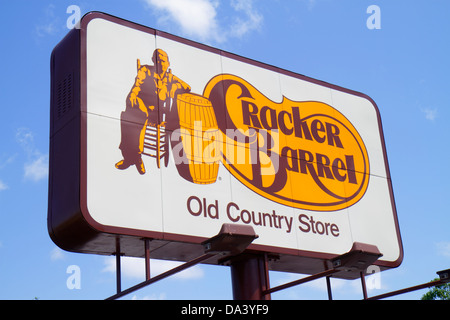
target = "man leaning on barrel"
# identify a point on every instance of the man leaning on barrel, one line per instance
(148, 103)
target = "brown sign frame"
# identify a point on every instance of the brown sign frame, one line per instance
(70, 225)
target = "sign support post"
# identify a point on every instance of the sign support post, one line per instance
(330, 294)
(250, 276)
(363, 284)
(118, 269)
(147, 259)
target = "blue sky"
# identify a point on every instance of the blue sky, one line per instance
(403, 67)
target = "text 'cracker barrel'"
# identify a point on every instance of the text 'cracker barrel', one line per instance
(199, 133)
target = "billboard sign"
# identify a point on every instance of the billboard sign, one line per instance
(155, 136)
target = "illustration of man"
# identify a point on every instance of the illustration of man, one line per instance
(148, 103)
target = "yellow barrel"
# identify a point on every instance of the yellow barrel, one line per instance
(200, 137)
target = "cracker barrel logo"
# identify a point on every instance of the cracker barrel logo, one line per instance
(302, 154)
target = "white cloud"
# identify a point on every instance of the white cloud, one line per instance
(6, 160)
(3, 186)
(444, 248)
(161, 266)
(311, 4)
(46, 29)
(36, 166)
(49, 23)
(199, 18)
(130, 267)
(37, 169)
(430, 114)
(161, 296)
(252, 19)
(57, 254)
(195, 17)
(135, 268)
(25, 138)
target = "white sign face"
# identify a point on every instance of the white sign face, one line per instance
(182, 138)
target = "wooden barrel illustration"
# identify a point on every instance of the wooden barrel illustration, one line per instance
(199, 135)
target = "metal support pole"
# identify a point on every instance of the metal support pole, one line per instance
(363, 284)
(406, 290)
(118, 271)
(266, 278)
(303, 280)
(162, 276)
(330, 296)
(147, 259)
(249, 276)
